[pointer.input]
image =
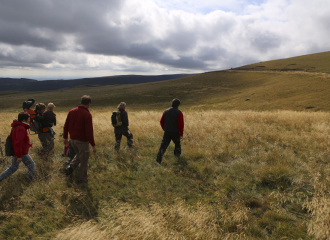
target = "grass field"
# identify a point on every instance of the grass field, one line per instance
(255, 160)
(251, 89)
(226, 90)
(243, 174)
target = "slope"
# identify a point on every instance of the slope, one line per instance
(318, 62)
(231, 89)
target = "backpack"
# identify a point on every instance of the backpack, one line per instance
(9, 149)
(28, 104)
(34, 123)
(116, 119)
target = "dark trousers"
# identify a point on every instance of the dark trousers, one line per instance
(167, 138)
(47, 141)
(129, 137)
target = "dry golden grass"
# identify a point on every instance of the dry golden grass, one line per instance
(242, 175)
(317, 62)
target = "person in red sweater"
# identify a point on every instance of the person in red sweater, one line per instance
(79, 125)
(21, 145)
(173, 124)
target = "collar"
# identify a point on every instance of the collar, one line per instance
(83, 107)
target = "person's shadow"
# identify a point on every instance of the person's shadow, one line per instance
(12, 189)
(81, 201)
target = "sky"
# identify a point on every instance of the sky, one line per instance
(61, 39)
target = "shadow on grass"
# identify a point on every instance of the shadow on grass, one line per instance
(80, 202)
(13, 187)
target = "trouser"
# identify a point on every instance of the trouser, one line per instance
(129, 137)
(47, 141)
(82, 155)
(28, 162)
(168, 136)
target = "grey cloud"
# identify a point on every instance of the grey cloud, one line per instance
(114, 28)
(265, 41)
(20, 34)
(45, 24)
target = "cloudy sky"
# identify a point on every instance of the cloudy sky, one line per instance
(52, 39)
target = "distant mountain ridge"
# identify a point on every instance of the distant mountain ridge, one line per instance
(30, 85)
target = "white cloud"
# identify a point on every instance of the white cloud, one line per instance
(149, 36)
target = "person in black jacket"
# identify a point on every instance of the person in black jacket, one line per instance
(46, 134)
(123, 129)
(173, 124)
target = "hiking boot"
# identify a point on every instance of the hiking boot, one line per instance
(66, 163)
(41, 153)
(68, 171)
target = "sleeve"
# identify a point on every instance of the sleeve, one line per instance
(162, 122)
(124, 118)
(18, 142)
(181, 124)
(54, 119)
(66, 127)
(90, 130)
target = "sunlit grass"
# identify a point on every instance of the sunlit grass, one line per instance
(242, 175)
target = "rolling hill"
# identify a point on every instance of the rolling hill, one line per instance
(243, 88)
(12, 84)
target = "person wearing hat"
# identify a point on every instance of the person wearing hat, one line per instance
(46, 134)
(173, 124)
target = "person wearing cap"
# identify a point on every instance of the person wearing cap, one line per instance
(79, 124)
(46, 133)
(123, 129)
(173, 124)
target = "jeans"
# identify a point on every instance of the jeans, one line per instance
(28, 162)
(168, 136)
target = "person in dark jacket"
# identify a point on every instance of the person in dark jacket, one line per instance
(21, 145)
(173, 124)
(46, 134)
(123, 129)
(79, 124)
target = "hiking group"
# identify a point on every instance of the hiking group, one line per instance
(79, 126)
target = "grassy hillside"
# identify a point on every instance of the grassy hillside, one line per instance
(318, 62)
(231, 89)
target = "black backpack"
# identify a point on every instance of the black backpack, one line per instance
(9, 149)
(35, 125)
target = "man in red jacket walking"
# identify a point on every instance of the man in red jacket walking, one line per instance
(80, 126)
(21, 144)
(173, 124)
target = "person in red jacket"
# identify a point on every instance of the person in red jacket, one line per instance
(173, 124)
(79, 125)
(21, 145)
